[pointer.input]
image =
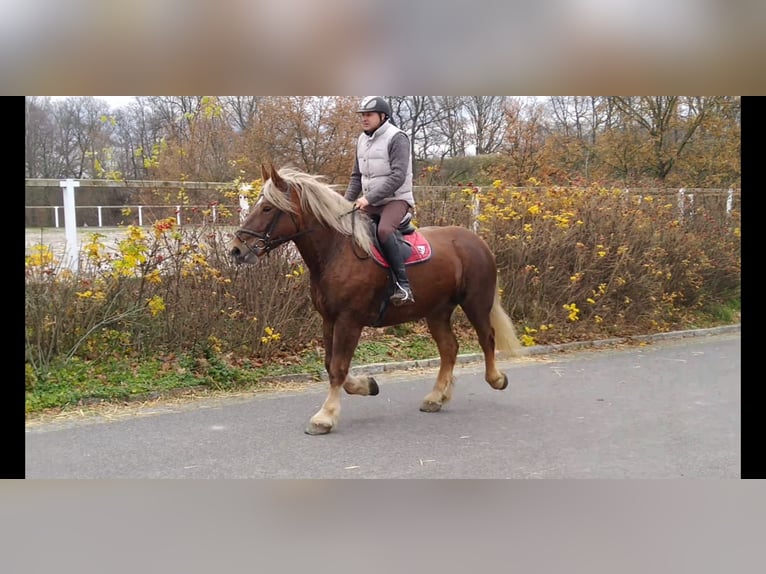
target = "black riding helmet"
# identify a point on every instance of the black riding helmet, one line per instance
(375, 104)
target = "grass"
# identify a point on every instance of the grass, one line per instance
(77, 382)
(728, 313)
(387, 347)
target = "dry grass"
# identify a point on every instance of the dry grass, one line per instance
(106, 411)
(188, 399)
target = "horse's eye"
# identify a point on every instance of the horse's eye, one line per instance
(266, 208)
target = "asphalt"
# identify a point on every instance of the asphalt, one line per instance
(665, 406)
(537, 350)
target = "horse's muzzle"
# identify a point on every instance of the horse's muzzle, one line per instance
(243, 253)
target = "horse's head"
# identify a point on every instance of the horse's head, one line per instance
(271, 222)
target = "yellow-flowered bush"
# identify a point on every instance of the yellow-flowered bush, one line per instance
(572, 263)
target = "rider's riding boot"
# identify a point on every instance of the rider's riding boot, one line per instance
(402, 291)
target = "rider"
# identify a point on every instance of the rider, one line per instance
(382, 174)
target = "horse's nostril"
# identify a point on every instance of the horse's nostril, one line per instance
(234, 252)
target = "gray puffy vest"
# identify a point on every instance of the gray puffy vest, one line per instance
(372, 155)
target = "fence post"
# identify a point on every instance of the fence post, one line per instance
(681, 204)
(100, 221)
(729, 201)
(476, 210)
(140, 216)
(72, 259)
(244, 204)
(56, 215)
(178, 215)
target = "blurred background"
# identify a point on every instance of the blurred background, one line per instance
(367, 46)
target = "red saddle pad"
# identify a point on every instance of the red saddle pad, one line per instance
(421, 250)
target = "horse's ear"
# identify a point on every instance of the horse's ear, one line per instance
(276, 180)
(264, 174)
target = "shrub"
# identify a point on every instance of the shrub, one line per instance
(572, 263)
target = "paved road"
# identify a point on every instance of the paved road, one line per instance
(668, 409)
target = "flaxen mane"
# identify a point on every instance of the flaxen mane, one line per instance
(329, 207)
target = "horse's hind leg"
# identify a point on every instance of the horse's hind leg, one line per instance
(364, 386)
(439, 324)
(479, 316)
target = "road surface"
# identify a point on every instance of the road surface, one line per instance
(667, 409)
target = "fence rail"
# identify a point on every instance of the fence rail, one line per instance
(133, 213)
(210, 210)
(141, 215)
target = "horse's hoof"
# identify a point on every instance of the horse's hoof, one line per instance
(374, 388)
(315, 429)
(430, 407)
(505, 383)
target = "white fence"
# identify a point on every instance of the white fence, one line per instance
(685, 201)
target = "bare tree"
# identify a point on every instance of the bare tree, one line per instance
(415, 115)
(669, 121)
(315, 134)
(452, 138)
(138, 138)
(83, 134)
(694, 140)
(40, 138)
(577, 122)
(420, 117)
(524, 140)
(175, 114)
(242, 111)
(486, 122)
(713, 154)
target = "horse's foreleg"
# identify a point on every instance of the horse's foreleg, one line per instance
(328, 328)
(441, 330)
(364, 386)
(344, 338)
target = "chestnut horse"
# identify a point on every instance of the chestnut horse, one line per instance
(348, 285)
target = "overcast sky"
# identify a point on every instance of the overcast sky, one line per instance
(117, 101)
(113, 101)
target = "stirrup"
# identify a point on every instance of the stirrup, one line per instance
(401, 295)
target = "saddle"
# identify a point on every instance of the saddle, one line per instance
(414, 245)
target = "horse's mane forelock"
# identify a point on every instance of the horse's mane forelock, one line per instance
(329, 207)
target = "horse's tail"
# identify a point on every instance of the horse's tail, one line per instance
(505, 334)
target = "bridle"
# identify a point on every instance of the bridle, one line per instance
(264, 241)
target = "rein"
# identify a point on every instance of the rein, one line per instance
(352, 213)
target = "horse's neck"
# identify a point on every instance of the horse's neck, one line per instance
(318, 247)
